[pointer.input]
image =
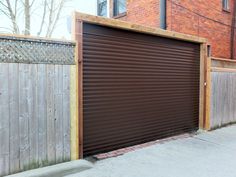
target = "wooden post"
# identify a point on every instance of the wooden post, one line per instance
(77, 32)
(74, 99)
(79, 38)
(203, 57)
(207, 125)
(74, 112)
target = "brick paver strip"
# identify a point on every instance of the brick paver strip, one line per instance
(136, 147)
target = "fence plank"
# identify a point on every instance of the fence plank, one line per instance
(58, 90)
(14, 117)
(5, 120)
(66, 111)
(212, 122)
(225, 117)
(231, 101)
(33, 121)
(42, 115)
(24, 116)
(50, 115)
(217, 101)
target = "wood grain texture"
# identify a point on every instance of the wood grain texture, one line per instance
(5, 120)
(58, 91)
(66, 112)
(24, 104)
(42, 116)
(14, 117)
(203, 57)
(74, 113)
(74, 99)
(220, 69)
(51, 153)
(35, 116)
(223, 99)
(207, 94)
(79, 38)
(222, 92)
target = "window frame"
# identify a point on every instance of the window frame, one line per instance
(226, 5)
(98, 6)
(115, 13)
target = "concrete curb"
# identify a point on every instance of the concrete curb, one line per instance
(58, 170)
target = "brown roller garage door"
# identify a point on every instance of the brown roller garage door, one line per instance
(136, 88)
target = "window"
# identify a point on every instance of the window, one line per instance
(208, 50)
(119, 7)
(225, 5)
(102, 8)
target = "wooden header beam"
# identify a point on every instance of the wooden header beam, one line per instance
(137, 28)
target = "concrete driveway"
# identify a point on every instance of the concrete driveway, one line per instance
(210, 154)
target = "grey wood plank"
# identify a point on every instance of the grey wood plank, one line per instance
(213, 100)
(230, 95)
(221, 98)
(14, 117)
(66, 111)
(33, 119)
(42, 114)
(5, 120)
(224, 97)
(58, 91)
(24, 116)
(218, 93)
(51, 149)
(227, 98)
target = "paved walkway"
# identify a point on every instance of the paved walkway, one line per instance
(211, 154)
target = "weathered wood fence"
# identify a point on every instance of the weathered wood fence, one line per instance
(34, 102)
(222, 93)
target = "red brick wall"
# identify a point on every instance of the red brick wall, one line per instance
(197, 17)
(205, 19)
(144, 12)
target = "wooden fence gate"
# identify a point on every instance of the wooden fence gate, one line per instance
(221, 92)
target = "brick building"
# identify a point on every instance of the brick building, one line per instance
(212, 19)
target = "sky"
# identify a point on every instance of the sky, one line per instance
(62, 30)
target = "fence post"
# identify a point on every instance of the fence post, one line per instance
(203, 57)
(74, 99)
(207, 125)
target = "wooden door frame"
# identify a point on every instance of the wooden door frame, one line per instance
(77, 122)
(77, 33)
